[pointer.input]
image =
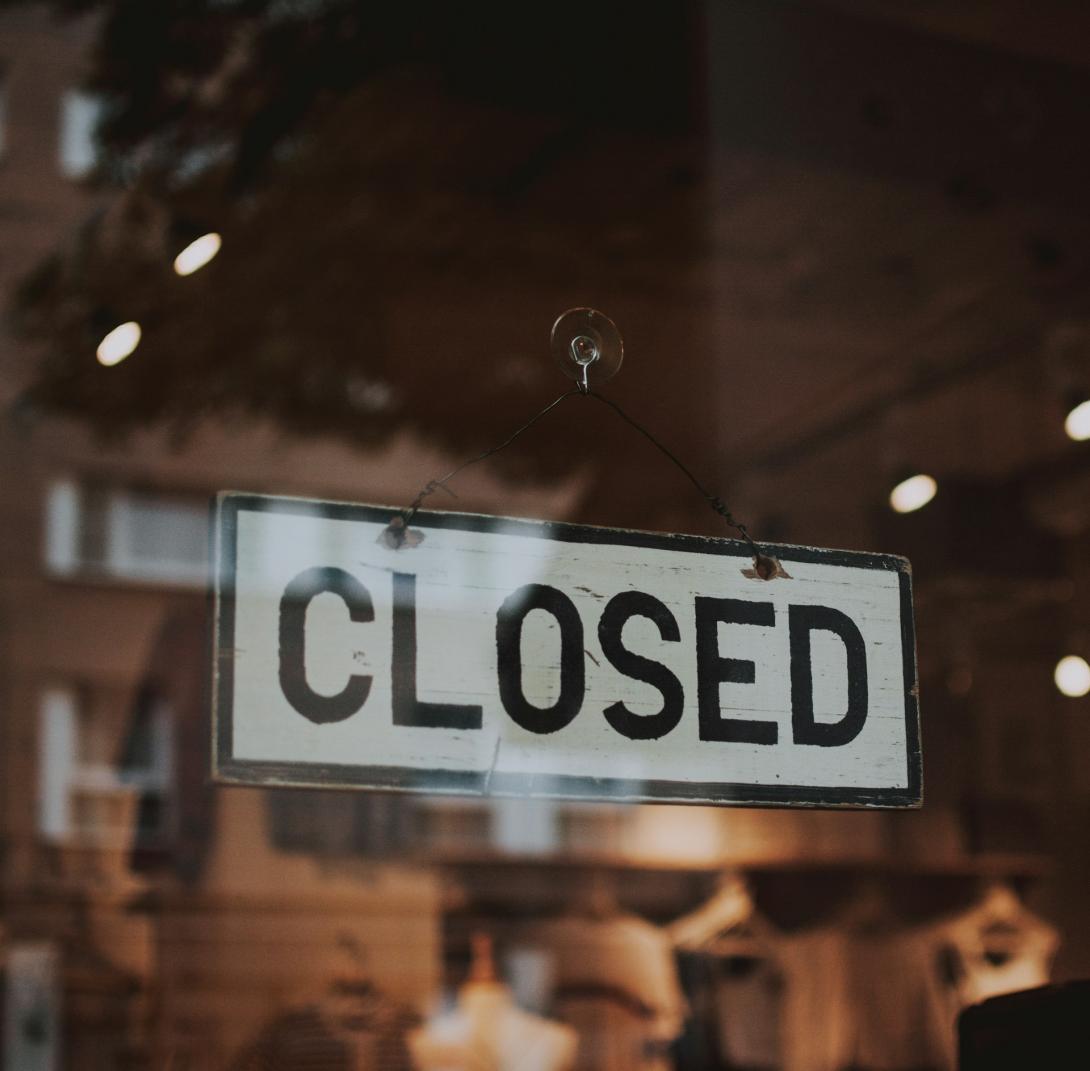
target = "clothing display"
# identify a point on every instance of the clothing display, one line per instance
(734, 983)
(621, 957)
(817, 1012)
(616, 983)
(697, 1048)
(731, 905)
(613, 1036)
(994, 948)
(900, 1018)
(748, 1007)
(487, 1031)
(997, 947)
(863, 993)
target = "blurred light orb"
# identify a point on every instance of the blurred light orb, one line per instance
(913, 493)
(119, 343)
(198, 253)
(1072, 676)
(1077, 423)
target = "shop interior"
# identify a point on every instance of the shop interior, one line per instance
(315, 248)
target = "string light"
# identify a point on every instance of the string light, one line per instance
(1072, 676)
(1077, 422)
(913, 493)
(119, 343)
(198, 253)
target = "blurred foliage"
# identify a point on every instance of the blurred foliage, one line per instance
(408, 193)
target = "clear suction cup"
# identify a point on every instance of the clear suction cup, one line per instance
(586, 344)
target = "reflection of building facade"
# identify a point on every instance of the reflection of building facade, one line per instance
(153, 921)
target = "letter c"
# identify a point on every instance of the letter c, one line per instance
(320, 709)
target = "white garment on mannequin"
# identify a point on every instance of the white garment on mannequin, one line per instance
(749, 993)
(899, 1018)
(487, 1031)
(996, 947)
(1004, 947)
(817, 1011)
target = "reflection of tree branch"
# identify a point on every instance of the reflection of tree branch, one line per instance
(394, 243)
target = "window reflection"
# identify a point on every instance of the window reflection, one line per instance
(787, 220)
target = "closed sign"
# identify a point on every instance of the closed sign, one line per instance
(494, 656)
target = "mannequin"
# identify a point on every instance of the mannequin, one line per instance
(487, 1031)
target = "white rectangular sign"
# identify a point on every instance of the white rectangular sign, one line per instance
(496, 656)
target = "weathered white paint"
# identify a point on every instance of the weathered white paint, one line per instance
(465, 567)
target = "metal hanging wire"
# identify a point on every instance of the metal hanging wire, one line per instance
(587, 337)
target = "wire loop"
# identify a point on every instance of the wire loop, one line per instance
(765, 566)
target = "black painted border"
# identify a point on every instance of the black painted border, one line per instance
(226, 768)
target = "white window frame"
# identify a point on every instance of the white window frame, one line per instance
(78, 152)
(71, 513)
(63, 774)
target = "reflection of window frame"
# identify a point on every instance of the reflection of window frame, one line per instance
(153, 780)
(74, 786)
(93, 531)
(57, 734)
(78, 152)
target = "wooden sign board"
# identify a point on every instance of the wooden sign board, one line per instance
(487, 656)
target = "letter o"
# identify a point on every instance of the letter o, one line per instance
(509, 621)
